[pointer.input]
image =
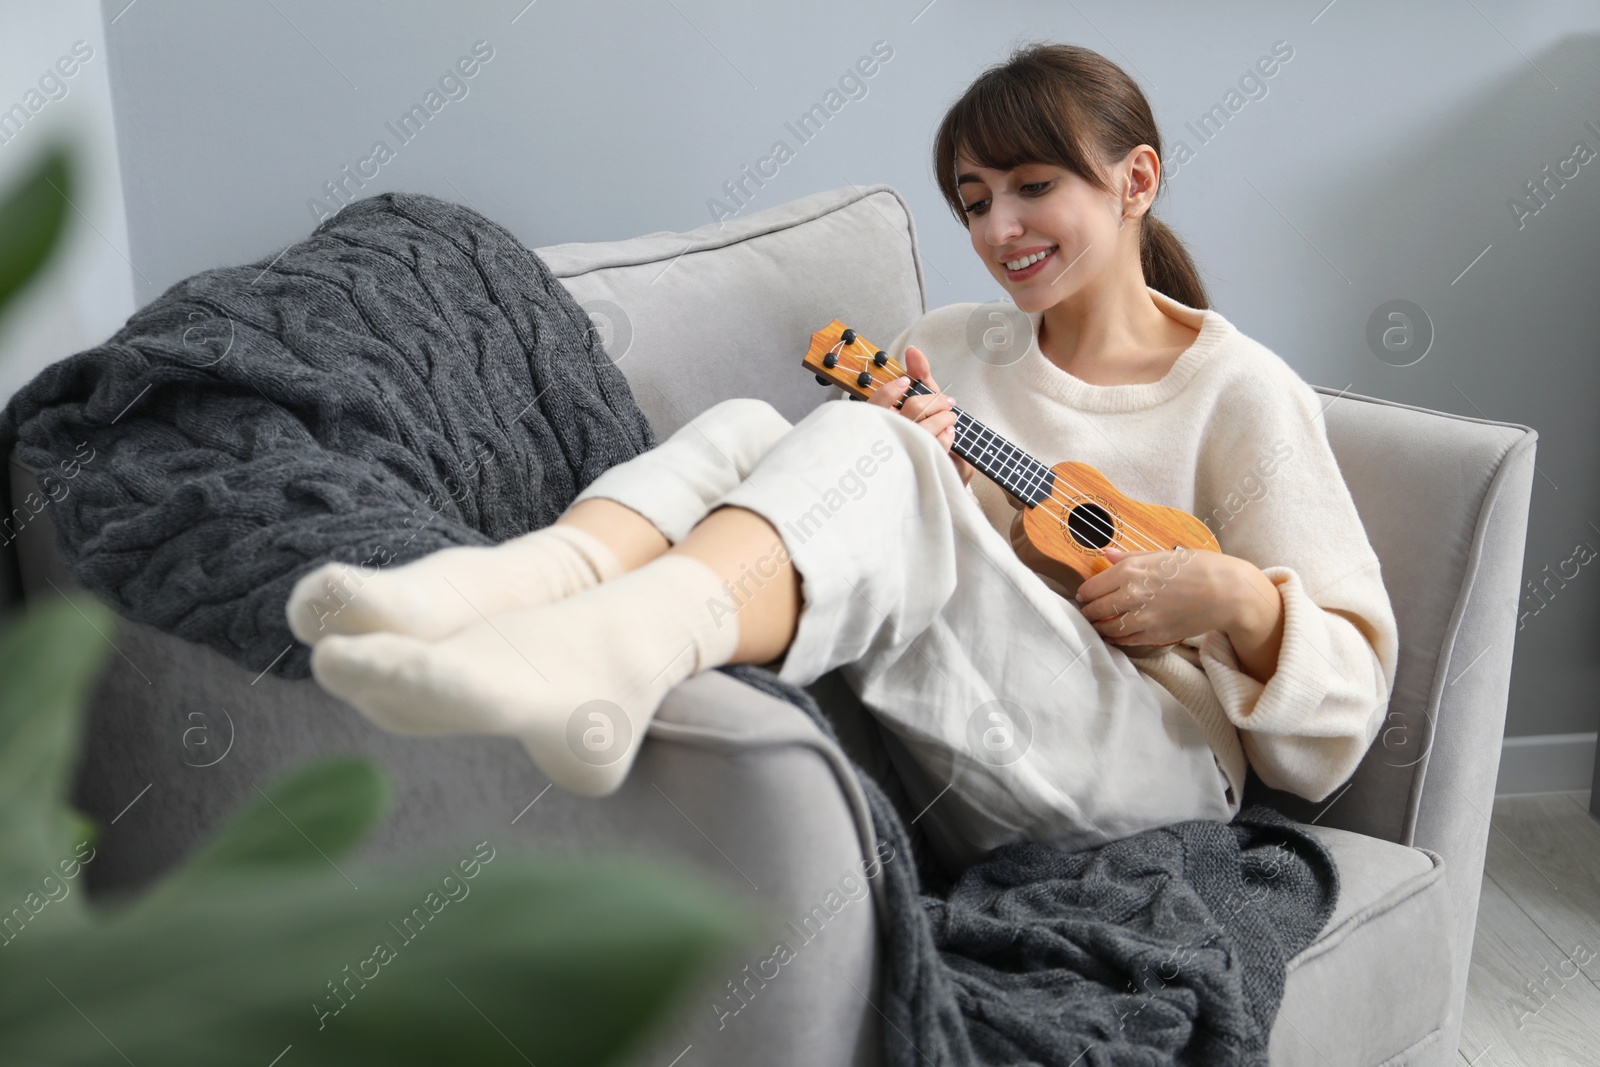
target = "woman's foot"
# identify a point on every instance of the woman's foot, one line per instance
(442, 592)
(577, 681)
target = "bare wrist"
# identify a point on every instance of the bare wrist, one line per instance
(1249, 605)
(1255, 628)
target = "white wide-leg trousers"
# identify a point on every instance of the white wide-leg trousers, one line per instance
(1022, 721)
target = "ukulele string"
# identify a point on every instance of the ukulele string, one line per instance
(1066, 503)
(1135, 535)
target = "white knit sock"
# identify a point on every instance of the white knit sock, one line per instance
(577, 680)
(438, 594)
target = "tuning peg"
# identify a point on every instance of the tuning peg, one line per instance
(864, 379)
(880, 358)
(823, 379)
(830, 360)
(848, 337)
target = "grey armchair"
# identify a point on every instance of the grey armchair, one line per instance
(746, 790)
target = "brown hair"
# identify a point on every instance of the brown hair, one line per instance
(1068, 106)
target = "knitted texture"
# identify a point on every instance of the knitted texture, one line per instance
(407, 378)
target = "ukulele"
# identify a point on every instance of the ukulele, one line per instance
(1071, 512)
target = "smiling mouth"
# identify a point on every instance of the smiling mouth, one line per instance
(1032, 267)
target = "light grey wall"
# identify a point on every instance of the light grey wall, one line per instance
(1380, 162)
(54, 86)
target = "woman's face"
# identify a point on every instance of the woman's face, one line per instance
(1039, 207)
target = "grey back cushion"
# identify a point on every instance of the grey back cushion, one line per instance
(728, 309)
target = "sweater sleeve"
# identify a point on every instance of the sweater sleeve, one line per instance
(1308, 726)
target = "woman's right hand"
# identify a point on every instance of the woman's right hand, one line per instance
(931, 411)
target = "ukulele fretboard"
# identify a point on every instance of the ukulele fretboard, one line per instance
(996, 458)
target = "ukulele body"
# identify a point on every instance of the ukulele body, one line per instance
(1065, 536)
(1085, 514)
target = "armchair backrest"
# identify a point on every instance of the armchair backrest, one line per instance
(727, 309)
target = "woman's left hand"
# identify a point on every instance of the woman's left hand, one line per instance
(1160, 598)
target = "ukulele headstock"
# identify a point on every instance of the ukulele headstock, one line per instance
(840, 356)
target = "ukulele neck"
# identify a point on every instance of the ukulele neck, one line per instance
(994, 457)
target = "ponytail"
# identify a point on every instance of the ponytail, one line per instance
(1167, 266)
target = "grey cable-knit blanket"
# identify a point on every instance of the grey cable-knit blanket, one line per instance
(1167, 947)
(410, 377)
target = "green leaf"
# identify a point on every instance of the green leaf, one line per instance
(49, 659)
(32, 217)
(310, 817)
(551, 960)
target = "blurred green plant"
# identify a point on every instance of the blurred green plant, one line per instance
(32, 218)
(252, 951)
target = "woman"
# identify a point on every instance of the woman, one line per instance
(852, 540)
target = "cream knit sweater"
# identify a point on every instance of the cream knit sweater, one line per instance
(1235, 437)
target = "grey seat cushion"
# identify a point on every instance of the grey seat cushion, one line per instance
(1375, 986)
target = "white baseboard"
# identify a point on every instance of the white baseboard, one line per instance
(1546, 763)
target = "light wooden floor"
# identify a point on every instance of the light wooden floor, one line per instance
(1526, 1004)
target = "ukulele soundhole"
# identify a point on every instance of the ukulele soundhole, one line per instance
(1091, 526)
